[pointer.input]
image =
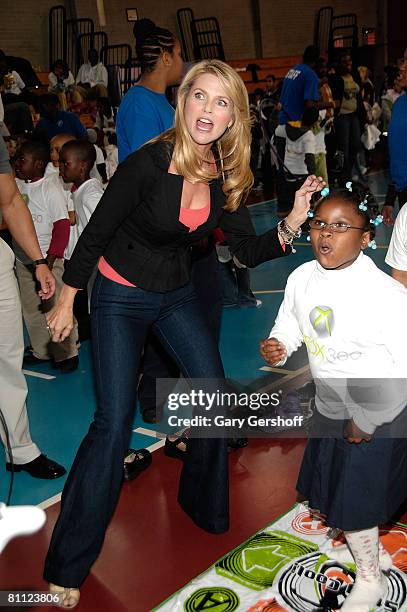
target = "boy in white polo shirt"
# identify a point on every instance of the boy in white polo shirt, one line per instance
(76, 160)
(45, 199)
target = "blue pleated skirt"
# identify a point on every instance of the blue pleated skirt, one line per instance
(356, 486)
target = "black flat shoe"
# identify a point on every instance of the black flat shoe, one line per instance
(172, 447)
(149, 415)
(136, 461)
(41, 467)
(67, 365)
(236, 443)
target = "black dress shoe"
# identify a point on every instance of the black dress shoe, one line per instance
(30, 359)
(136, 461)
(68, 365)
(149, 415)
(41, 467)
(176, 448)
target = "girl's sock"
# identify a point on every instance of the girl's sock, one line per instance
(370, 585)
(343, 554)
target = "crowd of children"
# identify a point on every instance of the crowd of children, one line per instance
(353, 117)
(61, 170)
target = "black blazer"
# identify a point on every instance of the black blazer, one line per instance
(136, 227)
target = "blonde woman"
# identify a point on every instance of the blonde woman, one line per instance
(166, 196)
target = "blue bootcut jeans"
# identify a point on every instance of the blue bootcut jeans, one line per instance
(121, 318)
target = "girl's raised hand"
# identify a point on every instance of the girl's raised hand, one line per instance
(273, 351)
(302, 201)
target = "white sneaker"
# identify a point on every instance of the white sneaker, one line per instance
(342, 554)
(365, 595)
(18, 521)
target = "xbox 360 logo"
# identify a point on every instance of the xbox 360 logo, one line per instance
(217, 599)
(322, 320)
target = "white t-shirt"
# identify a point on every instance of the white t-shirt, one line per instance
(320, 135)
(85, 200)
(17, 86)
(338, 314)
(50, 170)
(112, 160)
(296, 150)
(99, 155)
(47, 204)
(94, 75)
(397, 254)
(53, 81)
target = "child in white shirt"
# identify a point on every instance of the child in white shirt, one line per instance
(299, 156)
(57, 142)
(356, 478)
(76, 159)
(112, 155)
(47, 203)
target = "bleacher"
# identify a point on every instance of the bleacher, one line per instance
(279, 66)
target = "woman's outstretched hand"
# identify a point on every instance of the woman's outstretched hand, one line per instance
(298, 215)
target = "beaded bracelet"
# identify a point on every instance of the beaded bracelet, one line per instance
(286, 232)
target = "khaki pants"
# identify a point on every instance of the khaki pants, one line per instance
(80, 93)
(34, 310)
(13, 388)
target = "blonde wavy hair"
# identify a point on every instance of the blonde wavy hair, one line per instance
(233, 146)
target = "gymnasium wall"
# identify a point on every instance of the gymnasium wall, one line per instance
(287, 26)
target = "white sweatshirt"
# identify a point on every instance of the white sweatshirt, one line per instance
(353, 322)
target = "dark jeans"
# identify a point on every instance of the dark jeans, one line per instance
(347, 128)
(121, 319)
(284, 203)
(392, 194)
(235, 284)
(157, 363)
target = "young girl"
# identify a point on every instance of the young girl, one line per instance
(357, 477)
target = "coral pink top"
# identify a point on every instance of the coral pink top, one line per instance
(190, 217)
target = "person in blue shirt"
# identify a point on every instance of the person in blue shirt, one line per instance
(145, 111)
(398, 147)
(300, 87)
(300, 91)
(397, 143)
(54, 121)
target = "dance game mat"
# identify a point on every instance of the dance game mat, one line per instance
(286, 567)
